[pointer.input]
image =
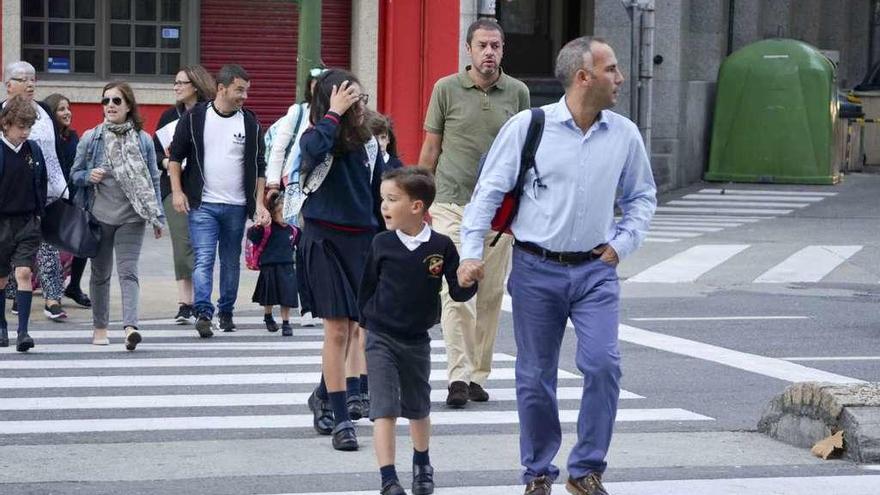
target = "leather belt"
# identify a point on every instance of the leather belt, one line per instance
(565, 258)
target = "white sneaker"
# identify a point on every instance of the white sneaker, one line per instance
(307, 320)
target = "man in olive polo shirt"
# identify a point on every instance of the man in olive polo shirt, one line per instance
(466, 112)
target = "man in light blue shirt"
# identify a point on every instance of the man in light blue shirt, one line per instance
(566, 251)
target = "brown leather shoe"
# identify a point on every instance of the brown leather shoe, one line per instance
(458, 394)
(539, 486)
(477, 393)
(590, 484)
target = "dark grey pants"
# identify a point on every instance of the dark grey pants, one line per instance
(126, 241)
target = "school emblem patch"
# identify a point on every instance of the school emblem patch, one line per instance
(435, 265)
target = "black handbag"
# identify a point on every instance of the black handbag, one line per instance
(71, 228)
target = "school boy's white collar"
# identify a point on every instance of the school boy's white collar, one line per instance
(12, 146)
(412, 243)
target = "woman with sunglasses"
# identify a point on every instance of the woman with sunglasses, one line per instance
(341, 218)
(192, 84)
(116, 167)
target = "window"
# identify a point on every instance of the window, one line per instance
(108, 39)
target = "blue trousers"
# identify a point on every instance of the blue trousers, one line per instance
(545, 294)
(216, 228)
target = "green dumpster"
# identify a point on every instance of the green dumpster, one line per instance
(775, 112)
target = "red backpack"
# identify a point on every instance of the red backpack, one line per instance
(253, 251)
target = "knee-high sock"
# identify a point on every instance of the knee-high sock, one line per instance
(23, 301)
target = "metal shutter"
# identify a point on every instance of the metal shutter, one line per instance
(261, 36)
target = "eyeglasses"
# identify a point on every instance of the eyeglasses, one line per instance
(181, 83)
(317, 71)
(24, 80)
(116, 101)
(364, 98)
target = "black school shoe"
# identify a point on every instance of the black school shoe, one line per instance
(286, 330)
(355, 407)
(392, 488)
(423, 480)
(271, 325)
(24, 342)
(78, 296)
(322, 419)
(344, 437)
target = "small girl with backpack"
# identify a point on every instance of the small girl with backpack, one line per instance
(271, 250)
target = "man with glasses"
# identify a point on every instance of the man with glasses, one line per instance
(465, 113)
(221, 186)
(565, 257)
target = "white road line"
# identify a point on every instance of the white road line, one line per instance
(305, 421)
(673, 233)
(229, 400)
(695, 224)
(149, 346)
(46, 364)
(258, 334)
(689, 265)
(747, 197)
(833, 358)
(660, 239)
(710, 218)
(721, 202)
(810, 264)
(759, 192)
(727, 211)
(437, 375)
(772, 367)
(850, 485)
(721, 318)
(663, 227)
(239, 320)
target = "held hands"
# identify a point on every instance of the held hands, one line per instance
(469, 272)
(262, 216)
(96, 175)
(609, 255)
(343, 97)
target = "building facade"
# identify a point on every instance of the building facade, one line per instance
(400, 48)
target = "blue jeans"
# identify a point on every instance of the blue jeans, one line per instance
(544, 295)
(213, 226)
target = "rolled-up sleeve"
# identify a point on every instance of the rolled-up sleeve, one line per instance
(637, 199)
(496, 179)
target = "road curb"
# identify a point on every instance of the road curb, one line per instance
(809, 411)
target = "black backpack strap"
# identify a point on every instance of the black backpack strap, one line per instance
(526, 161)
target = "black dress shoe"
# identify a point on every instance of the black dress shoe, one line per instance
(4, 337)
(458, 394)
(542, 485)
(355, 407)
(392, 488)
(78, 297)
(477, 393)
(322, 416)
(423, 480)
(344, 437)
(24, 342)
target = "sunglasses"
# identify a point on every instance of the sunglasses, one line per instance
(317, 71)
(116, 101)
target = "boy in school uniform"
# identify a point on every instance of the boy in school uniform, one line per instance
(399, 302)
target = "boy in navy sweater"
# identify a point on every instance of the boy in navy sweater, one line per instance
(399, 302)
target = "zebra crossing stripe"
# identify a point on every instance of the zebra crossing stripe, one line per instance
(690, 264)
(305, 421)
(759, 192)
(723, 211)
(661, 239)
(810, 264)
(129, 381)
(673, 233)
(753, 204)
(230, 400)
(747, 197)
(691, 223)
(46, 364)
(662, 227)
(851, 485)
(710, 218)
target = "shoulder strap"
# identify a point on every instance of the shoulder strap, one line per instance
(526, 161)
(296, 127)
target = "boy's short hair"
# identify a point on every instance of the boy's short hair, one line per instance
(18, 111)
(416, 182)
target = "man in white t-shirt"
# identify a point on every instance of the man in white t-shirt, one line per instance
(221, 186)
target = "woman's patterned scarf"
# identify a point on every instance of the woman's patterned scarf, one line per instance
(122, 154)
